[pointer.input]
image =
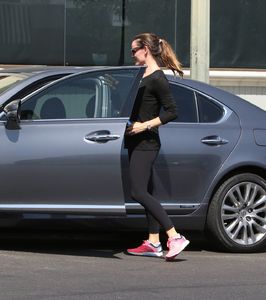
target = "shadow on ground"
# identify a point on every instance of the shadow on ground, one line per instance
(83, 243)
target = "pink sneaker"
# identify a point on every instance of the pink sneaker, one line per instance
(147, 249)
(176, 245)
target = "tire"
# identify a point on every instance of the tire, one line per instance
(237, 214)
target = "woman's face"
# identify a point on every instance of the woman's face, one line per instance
(138, 53)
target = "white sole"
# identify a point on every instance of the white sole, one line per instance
(159, 254)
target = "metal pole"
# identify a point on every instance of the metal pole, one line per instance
(122, 46)
(200, 40)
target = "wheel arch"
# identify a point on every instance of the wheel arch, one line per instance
(257, 170)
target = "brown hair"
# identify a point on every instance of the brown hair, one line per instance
(161, 51)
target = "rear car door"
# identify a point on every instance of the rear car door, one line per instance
(194, 147)
(66, 157)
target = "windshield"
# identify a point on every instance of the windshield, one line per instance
(7, 80)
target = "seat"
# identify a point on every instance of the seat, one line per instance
(53, 108)
(116, 104)
(90, 108)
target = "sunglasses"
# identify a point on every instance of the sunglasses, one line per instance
(135, 50)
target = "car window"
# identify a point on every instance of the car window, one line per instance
(36, 85)
(186, 104)
(209, 111)
(92, 95)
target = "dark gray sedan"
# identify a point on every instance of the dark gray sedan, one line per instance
(62, 154)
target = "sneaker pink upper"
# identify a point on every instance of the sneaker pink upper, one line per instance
(176, 245)
(146, 249)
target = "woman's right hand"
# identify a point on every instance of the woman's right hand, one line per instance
(136, 127)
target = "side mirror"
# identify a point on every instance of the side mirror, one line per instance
(12, 111)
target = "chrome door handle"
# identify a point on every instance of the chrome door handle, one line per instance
(101, 136)
(214, 140)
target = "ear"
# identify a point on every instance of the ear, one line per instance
(147, 51)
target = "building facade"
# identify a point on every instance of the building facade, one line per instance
(99, 32)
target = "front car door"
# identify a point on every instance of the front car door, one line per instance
(66, 157)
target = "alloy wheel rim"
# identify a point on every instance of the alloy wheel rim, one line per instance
(243, 213)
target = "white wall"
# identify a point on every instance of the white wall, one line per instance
(248, 84)
(253, 94)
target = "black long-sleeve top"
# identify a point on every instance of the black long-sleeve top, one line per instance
(153, 95)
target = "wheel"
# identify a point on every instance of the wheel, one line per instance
(237, 214)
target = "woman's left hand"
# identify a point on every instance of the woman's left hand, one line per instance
(136, 127)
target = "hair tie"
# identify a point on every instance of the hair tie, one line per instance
(160, 41)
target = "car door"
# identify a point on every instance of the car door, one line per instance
(194, 147)
(66, 155)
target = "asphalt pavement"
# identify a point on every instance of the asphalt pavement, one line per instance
(71, 267)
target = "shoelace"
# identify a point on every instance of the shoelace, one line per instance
(171, 240)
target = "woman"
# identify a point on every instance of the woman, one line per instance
(143, 142)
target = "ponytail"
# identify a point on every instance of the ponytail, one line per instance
(169, 59)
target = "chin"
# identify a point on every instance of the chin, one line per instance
(138, 63)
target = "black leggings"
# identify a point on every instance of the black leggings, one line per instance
(140, 173)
